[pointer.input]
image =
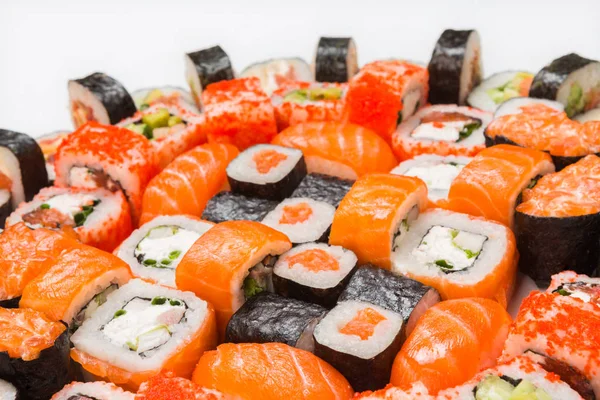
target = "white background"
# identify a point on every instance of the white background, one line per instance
(141, 43)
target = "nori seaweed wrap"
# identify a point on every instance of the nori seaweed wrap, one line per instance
(227, 206)
(204, 67)
(336, 60)
(323, 188)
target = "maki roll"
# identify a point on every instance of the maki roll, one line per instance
(34, 354)
(273, 73)
(336, 59)
(314, 272)
(360, 340)
(92, 390)
(268, 317)
(557, 224)
(302, 220)
(318, 187)
(6, 206)
(154, 250)
(518, 105)
(227, 206)
(168, 95)
(204, 67)
(442, 130)
(141, 330)
(576, 286)
(8, 391)
(455, 67)
(499, 88)
(459, 255)
(99, 97)
(571, 80)
(49, 144)
(267, 171)
(97, 217)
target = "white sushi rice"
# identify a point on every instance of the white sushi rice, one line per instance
(157, 248)
(96, 390)
(480, 97)
(80, 94)
(310, 230)
(9, 166)
(327, 332)
(243, 167)
(7, 391)
(268, 72)
(592, 115)
(316, 279)
(469, 69)
(94, 339)
(513, 106)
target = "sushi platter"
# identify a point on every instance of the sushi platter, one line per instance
(393, 230)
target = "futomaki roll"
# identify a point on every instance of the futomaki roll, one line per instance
(168, 95)
(360, 340)
(204, 67)
(266, 171)
(154, 250)
(314, 272)
(499, 88)
(142, 329)
(442, 130)
(517, 105)
(49, 144)
(318, 187)
(99, 97)
(227, 206)
(302, 219)
(455, 67)
(336, 59)
(92, 390)
(276, 71)
(268, 317)
(8, 391)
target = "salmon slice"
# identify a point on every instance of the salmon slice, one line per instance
(168, 386)
(345, 150)
(216, 265)
(270, 371)
(186, 185)
(370, 215)
(491, 183)
(453, 341)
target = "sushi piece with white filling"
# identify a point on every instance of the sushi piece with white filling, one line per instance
(517, 104)
(275, 71)
(204, 67)
(93, 391)
(499, 88)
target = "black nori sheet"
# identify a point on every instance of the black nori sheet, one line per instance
(112, 94)
(39, 379)
(331, 61)
(323, 188)
(268, 317)
(31, 160)
(5, 210)
(10, 303)
(445, 67)
(212, 65)
(549, 245)
(272, 191)
(227, 206)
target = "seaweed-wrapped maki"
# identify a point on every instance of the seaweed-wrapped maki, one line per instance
(227, 206)
(204, 67)
(336, 59)
(498, 88)
(319, 187)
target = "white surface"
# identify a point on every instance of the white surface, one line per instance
(44, 43)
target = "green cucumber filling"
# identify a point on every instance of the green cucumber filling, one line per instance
(510, 89)
(145, 324)
(586, 291)
(69, 209)
(446, 126)
(314, 94)
(497, 388)
(259, 278)
(89, 309)
(575, 101)
(157, 124)
(164, 246)
(404, 227)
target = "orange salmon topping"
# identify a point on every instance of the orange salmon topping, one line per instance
(363, 324)
(268, 159)
(5, 182)
(295, 213)
(314, 260)
(24, 333)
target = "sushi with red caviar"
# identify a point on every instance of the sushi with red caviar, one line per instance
(168, 386)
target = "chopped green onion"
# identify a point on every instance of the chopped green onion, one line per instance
(45, 206)
(165, 261)
(118, 313)
(158, 301)
(470, 254)
(174, 254)
(563, 292)
(174, 303)
(468, 129)
(444, 264)
(149, 262)
(454, 233)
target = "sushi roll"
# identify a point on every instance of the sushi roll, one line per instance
(6, 206)
(268, 317)
(187, 184)
(49, 144)
(168, 386)
(314, 272)
(107, 156)
(404, 296)
(168, 95)
(557, 224)
(592, 115)
(360, 340)
(442, 130)
(238, 112)
(8, 391)
(344, 150)
(437, 172)
(499, 88)
(266, 171)
(459, 255)
(97, 217)
(227, 276)
(319, 187)
(384, 94)
(34, 354)
(455, 67)
(302, 219)
(336, 59)
(99, 97)
(276, 71)
(376, 214)
(154, 250)
(227, 206)
(576, 286)
(513, 169)
(517, 105)
(571, 80)
(92, 390)
(204, 67)
(142, 329)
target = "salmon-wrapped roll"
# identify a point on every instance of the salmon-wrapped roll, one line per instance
(168, 386)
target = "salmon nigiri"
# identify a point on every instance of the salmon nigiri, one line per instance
(346, 150)
(452, 341)
(270, 371)
(186, 185)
